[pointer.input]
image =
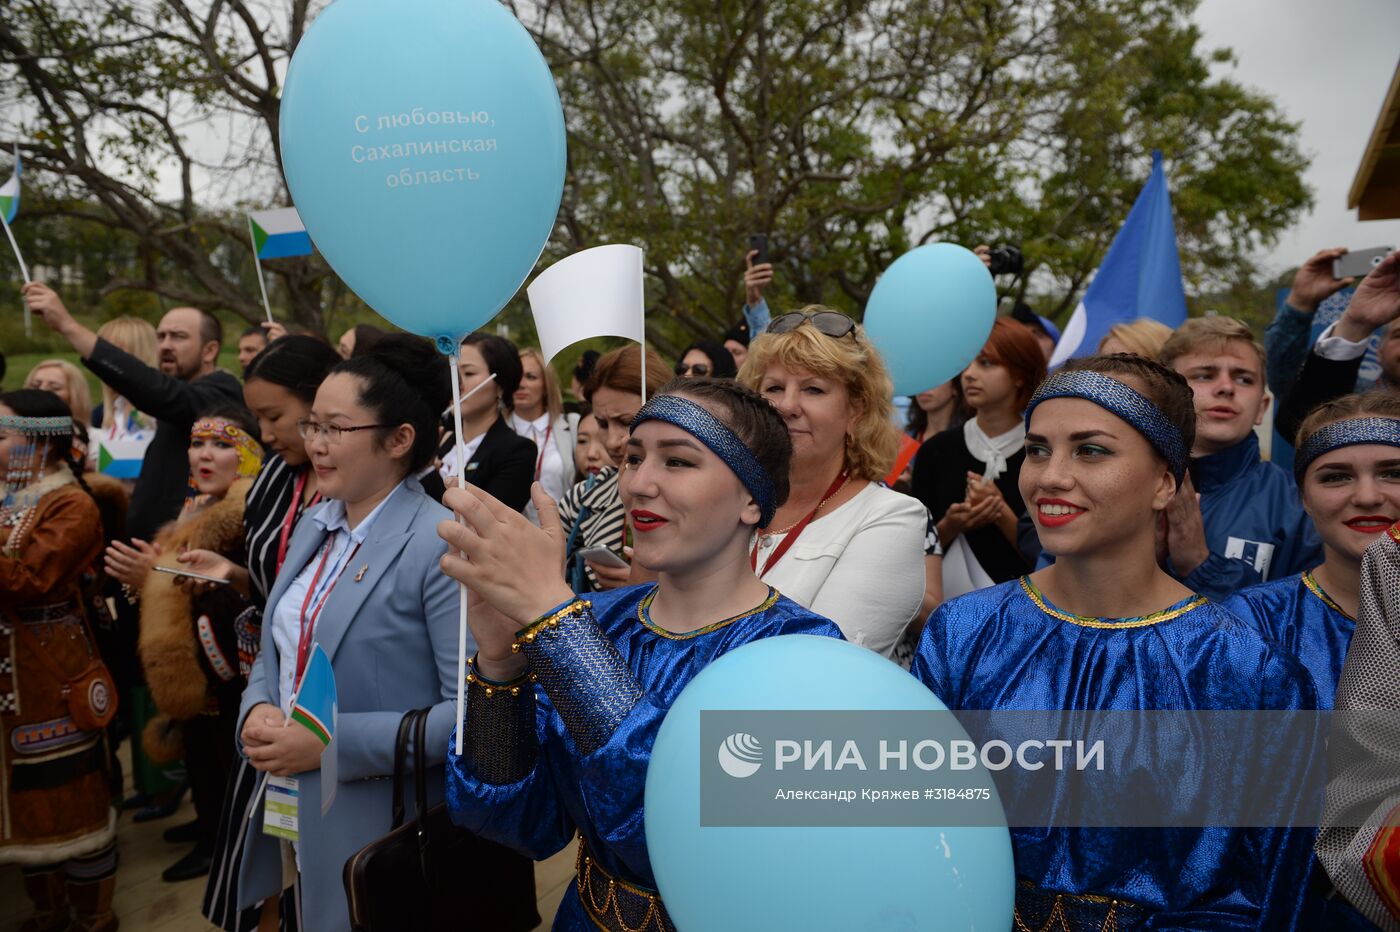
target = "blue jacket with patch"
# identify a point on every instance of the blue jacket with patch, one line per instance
(1255, 524)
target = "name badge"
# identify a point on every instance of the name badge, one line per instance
(280, 808)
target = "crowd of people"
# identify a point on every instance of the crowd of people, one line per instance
(1103, 536)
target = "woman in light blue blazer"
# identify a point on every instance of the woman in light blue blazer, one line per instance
(361, 578)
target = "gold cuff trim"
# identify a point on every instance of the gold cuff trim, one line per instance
(548, 622)
(1087, 621)
(491, 687)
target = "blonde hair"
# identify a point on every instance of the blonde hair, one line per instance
(1209, 334)
(851, 360)
(79, 397)
(553, 397)
(133, 336)
(1143, 337)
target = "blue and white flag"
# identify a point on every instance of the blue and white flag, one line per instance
(9, 191)
(279, 233)
(314, 706)
(1139, 277)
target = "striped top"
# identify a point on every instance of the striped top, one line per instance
(602, 516)
(266, 509)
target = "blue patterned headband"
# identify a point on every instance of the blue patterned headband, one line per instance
(37, 426)
(1132, 406)
(1348, 433)
(723, 442)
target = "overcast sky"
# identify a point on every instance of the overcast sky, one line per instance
(1328, 65)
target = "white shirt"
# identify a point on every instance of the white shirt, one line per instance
(342, 541)
(549, 462)
(1339, 349)
(860, 564)
(450, 467)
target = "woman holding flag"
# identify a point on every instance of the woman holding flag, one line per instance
(561, 716)
(361, 581)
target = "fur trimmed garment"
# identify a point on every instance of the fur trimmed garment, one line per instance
(187, 643)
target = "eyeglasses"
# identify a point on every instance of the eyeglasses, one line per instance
(832, 323)
(699, 369)
(310, 429)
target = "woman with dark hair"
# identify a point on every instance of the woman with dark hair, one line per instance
(360, 578)
(359, 340)
(706, 359)
(561, 715)
(279, 386)
(188, 638)
(58, 822)
(1106, 629)
(493, 456)
(966, 476)
(935, 410)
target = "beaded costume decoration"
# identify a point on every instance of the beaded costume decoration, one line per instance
(25, 482)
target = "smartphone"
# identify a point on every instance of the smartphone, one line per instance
(604, 557)
(1360, 263)
(759, 242)
(200, 576)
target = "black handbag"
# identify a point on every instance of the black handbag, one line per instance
(430, 874)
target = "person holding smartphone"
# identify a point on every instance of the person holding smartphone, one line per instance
(188, 642)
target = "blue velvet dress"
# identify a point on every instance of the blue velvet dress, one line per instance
(1008, 648)
(1298, 614)
(570, 754)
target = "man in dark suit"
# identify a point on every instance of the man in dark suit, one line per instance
(187, 382)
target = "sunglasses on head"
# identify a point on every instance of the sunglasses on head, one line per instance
(832, 323)
(699, 369)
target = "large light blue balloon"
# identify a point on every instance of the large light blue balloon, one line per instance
(815, 879)
(423, 143)
(930, 315)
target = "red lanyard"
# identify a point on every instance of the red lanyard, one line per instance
(308, 625)
(794, 533)
(291, 518)
(539, 463)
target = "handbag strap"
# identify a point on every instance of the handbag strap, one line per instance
(400, 760)
(420, 768)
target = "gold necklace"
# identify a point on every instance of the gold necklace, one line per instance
(816, 511)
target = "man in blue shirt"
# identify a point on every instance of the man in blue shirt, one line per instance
(1237, 520)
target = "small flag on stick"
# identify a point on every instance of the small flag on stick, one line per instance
(314, 707)
(9, 209)
(279, 233)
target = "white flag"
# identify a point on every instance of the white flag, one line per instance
(594, 293)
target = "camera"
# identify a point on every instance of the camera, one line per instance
(1006, 260)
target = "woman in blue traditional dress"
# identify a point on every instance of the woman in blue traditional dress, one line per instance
(561, 715)
(1348, 469)
(1105, 628)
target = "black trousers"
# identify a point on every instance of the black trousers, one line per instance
(210, 756)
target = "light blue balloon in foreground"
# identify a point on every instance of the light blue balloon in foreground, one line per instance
(423, 143)
(930, 314)
(814, 879)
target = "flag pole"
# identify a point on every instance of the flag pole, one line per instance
(262, 286)
(454, 361)
(644, 352)
(24, 273)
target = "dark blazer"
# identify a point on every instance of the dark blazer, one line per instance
(503, 465)
(1321, 380)
(175, 404)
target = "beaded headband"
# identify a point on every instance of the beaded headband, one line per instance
(1132, 406)
(723, 442)
(37, 426)
(1346, 433)
(250, 452)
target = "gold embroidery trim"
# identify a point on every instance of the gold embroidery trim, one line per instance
(1316, 589)
(492, 687)
(528, 634)
(1086, 621)
(584, 866)
(644, 616)
(1394, 532)
(1057, 913)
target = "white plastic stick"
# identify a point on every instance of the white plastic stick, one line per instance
(24, 275)
(456, 358)
(262, 285)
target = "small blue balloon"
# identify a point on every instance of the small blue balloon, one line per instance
(848, 879)
(423, 144)
(930, 314)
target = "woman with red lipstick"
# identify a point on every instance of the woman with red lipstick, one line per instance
(1104, 628)
(188, 643)
(1348, 470)
(561, 716)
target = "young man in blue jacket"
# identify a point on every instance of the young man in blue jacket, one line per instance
(1237, 520)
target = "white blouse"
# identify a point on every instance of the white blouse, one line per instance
(552, 471)
(861, 565)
